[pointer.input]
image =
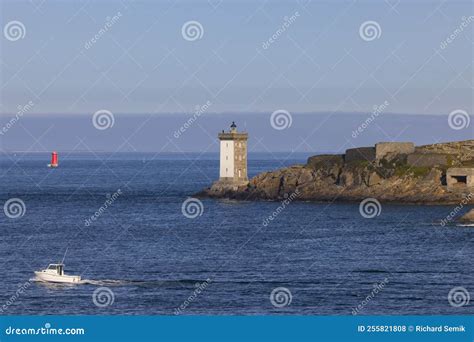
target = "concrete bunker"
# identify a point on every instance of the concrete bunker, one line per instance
(460, 178)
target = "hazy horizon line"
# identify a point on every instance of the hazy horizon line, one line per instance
(209, 152)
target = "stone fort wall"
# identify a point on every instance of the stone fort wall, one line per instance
(380, 151)
(360, 154)
(383, 149)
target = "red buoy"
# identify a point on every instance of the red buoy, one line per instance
(54, 159)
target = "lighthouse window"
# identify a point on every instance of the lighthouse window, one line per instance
(226, 144)
(226, 157)
(240, 173)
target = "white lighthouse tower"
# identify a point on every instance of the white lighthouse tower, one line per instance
(233, 157)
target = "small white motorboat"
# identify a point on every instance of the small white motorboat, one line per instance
(54, 273)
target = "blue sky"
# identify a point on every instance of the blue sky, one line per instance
(142, 64)
(250, 59)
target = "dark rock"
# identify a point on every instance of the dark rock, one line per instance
(468, 217)
(360, 154)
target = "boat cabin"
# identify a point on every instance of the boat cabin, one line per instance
(56, 269)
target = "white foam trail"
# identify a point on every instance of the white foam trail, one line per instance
(105, 282)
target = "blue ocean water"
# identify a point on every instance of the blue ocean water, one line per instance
(152, 259)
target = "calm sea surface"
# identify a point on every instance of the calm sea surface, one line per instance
(143, 256)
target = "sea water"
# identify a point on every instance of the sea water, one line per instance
(147, 257)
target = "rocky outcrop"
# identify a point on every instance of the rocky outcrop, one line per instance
(332, 178)
(459, 152)
(468, 217)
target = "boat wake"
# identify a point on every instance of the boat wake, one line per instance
(144, 283)
(116, 282)
(107, 282)
(451, 224)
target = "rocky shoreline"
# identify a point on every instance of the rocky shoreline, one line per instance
(389, 172)
(468, 217)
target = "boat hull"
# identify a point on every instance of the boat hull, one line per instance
(53, 278)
